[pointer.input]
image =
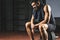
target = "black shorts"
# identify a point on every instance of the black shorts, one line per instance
(51, 27)
(36, 22)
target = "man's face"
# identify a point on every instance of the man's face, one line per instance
(35, 5)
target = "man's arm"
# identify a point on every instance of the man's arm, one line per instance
(46, 16)
(46, 12)
(32, 24)
(32, 19)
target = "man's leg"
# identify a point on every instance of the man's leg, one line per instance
(45, 27)
(41, 34)
(50, 28)
(28, 29)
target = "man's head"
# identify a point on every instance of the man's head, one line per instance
(35, 4)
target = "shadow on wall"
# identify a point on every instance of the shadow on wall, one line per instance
(57, 19)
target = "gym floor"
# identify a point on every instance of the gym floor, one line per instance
(18, 36)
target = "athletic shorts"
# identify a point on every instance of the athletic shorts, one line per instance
(51, 27)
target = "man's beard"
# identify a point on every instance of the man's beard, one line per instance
(35, 8)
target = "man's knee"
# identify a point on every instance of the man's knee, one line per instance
(40, 28)
(45, 26)
(27, 23)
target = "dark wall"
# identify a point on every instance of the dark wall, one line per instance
(6, 18)
(0, 15)
(15, 13)
(20, 14)
(57, 19)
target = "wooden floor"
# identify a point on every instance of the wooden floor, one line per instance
(18, 36)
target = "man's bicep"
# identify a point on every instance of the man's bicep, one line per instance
(46, 13)
(49, 8)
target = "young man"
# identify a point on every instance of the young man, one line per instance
(40, 19)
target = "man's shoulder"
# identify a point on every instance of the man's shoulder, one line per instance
(47, 6)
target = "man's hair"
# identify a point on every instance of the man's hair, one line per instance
(43, 2)
(33, 1)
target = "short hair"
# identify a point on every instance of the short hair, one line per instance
(43, 2)
(33, 1)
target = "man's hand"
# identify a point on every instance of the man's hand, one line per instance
(36, 24)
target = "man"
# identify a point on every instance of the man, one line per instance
(40, 19)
